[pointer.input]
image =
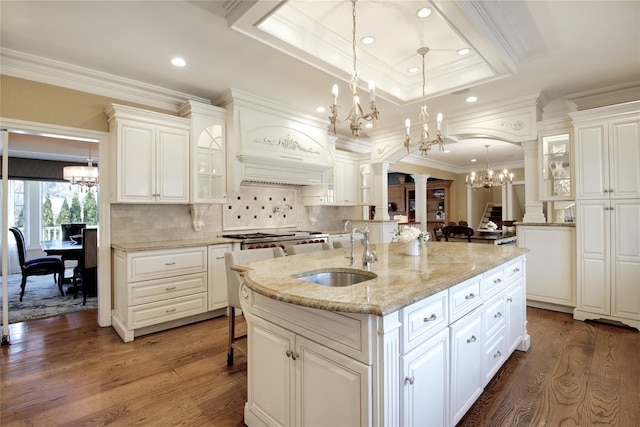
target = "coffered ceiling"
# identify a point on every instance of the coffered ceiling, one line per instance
(293, 52)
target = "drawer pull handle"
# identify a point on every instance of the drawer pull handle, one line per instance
(498, 354)
(509, 299)
(470, 296)
(431, 318)
(409, 380)
(497, 280)
(515, 270)
(220, 257)
(170, 310)
(472, 339)
(170, 263)
(170, 288)
(497, 315)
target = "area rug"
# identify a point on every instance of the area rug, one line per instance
(41, 299)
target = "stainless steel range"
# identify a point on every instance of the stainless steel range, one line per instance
(281, 239)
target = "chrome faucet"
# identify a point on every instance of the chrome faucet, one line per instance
(367, 255)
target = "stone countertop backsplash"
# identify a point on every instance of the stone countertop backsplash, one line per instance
(401, 280)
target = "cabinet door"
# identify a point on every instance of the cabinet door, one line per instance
(625, 259)
(345, 181)
(172, 165)
(624, 158)
(592, 160)
(217, 286)
(466, 363)
(425, 391)
(592, 243)
(209, 182)
(271, 375)
(135, 181)
(333, 389)
(515, 315)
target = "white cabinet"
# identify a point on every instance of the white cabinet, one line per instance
(608, 152)
(296, 381)
(556, 163)
(425, 373)
(150, 153)
(608, 213)
(217, 276)
(551, 265)
(467, 349)
(345, 179)
(608, 270)
(157, 286)
(208, 155)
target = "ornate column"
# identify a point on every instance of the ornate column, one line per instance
(421, 199)
(533, 205)
(379, 186)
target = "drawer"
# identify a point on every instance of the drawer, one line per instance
(147, 265)
(494, 281)
(513, 270)
(464, 297)
(424, 319)
(494, 314)
(164, 289)
(164, 311)
(495, 354)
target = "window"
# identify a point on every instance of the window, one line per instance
(41, 206)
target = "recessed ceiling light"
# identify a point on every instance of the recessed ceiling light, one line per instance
(368, 125)
(367, 40)
(473, 160)
(447, 151)
(413, 69)
(320, 109)
(178, 62)
(472, 99)
(423, 12)
(464, 51)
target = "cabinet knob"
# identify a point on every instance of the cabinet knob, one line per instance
(515, 270)
(430, 318)
(498, 354)
(291, 354)
(509, 299)
(497, 315)
(472, 339)
(409, 380)
(470, 296)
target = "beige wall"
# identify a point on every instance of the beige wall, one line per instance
(42, 103)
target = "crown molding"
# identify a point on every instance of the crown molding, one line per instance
(606, 96)
(30, 67)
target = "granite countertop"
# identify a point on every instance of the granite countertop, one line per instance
(144, 246)
(401, 279)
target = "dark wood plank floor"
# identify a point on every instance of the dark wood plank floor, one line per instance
(68, 371)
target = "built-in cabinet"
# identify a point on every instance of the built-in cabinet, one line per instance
(342, 186)
(556, 172)
(150, 153)
(160, 288)
(608, 213)
(438, 202)
(315, 367)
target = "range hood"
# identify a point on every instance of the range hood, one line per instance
(270, 143)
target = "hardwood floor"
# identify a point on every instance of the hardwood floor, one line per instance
(68, 371)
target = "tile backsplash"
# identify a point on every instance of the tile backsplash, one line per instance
(254, 207)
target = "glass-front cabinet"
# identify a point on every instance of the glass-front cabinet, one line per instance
(556, 182)
(210, 165)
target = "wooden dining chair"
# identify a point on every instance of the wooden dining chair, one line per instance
(70, 232)
(36, 266)
(86, 270)
(457, 230)
(234, 281)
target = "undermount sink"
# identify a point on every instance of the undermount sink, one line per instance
(346, 277)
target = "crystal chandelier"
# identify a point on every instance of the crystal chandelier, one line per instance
(487, 179)
(84, 176)
(356, 113)
(425, 143)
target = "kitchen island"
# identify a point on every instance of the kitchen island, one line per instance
(415, 345)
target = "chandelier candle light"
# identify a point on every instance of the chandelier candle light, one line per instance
(487, 179)
(425, 142)
(356, 113)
